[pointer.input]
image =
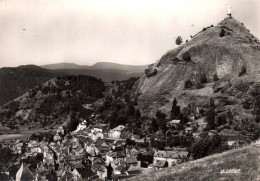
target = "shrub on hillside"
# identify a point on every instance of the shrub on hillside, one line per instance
(186, 56)
(222, 33)
(149, 73)
(187, 84)
(215, 77)
(199, 86)
(178, 40)
(242, 72)
(203, 79)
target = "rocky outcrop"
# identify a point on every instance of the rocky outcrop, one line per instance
(206, 54)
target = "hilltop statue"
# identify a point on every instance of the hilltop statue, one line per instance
(229, 12)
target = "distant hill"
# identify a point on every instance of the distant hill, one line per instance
(244, 159)
(64, 65)
(52, 103)
(105, 70)
(15, 81)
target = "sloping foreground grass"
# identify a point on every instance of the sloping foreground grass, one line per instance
(246, 159)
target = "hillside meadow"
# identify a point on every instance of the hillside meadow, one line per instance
(244, 161)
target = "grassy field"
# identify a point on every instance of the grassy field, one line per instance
(245, 160)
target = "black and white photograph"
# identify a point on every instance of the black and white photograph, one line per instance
(129, 90)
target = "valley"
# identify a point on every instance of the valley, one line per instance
(188, 116)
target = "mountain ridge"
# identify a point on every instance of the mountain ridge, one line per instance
(98, 65)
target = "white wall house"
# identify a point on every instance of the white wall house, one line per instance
(116, 132)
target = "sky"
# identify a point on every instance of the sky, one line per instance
(135, 32)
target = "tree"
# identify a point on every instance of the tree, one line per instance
(161, 121)
(243, 71)
(178, 40)
(215, 77)
(175, 111)
(154, 125)
(6, 155)
(210, 115)
(205, 146)
(222, 33)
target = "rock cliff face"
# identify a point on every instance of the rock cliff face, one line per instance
(221, 52)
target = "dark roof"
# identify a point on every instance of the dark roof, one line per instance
(67, 177)
(121, 168)
(78, 165)
(85, 172)
(133, 172)
(131, 160)
(24, 174)
(160, 163)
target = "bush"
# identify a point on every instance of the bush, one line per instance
(199, 86)
(203, 79)
(188, 84)
(215, 77)
(150, 73)
(178, 40)
(222, 33)
(186, 56)
(204, 29)
(242, 72)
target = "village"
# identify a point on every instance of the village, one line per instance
(96, 152)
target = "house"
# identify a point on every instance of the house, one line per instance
(81, 126)
(116, 132)
(92, 150)
(173, 123)
(133, 172)
(183, 154)
(113, 156)
(17, 147)
(99, 128)
(188, 130)
(67, 177)
(97, 135)
(56, 137)
(49, 159)
(24, 174)
(160, 164)
(60, 130)
(33, 147)
(83, 174)
(172, 157)
(120, 169)
(131, 152)
(212, 133)
(98, 167)
(233, 137)
(132, 162)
